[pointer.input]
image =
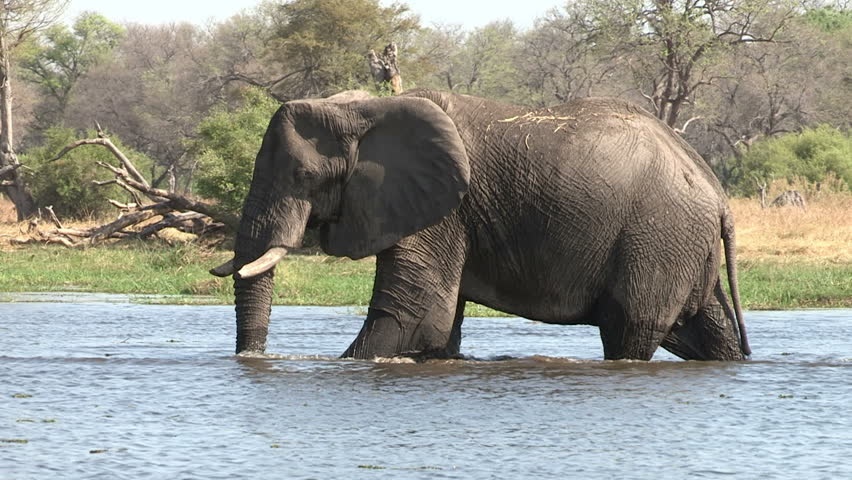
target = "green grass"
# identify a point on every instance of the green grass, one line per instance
(134, 267)
(768, 285)
(159, 269)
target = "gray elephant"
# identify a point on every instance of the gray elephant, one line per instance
(593, 212)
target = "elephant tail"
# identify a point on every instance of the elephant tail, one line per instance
(729, 241)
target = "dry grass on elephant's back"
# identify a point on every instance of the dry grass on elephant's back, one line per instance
(820, 233)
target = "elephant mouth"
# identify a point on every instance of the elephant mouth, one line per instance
(261, 265)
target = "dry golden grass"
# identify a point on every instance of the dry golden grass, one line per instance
(12, 229)
(820, 233)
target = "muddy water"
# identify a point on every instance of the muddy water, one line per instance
(118, 390)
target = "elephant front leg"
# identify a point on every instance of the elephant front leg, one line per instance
(415, 310)
(382, 335)
(385, 335)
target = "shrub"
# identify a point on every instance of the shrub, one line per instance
(813, 156)
(67, 183)
(227, 143)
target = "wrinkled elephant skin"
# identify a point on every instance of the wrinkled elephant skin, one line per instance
(593, 212)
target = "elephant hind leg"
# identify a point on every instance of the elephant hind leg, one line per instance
(629, 336)
(710, 334)
(453, 349)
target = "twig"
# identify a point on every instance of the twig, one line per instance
(122, 206)
(53, 217)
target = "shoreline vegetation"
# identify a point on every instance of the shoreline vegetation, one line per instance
(787, 258)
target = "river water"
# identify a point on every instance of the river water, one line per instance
(99, 389)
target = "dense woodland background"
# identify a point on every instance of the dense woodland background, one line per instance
(761, 88)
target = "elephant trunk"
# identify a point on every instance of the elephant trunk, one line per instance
(261, 231)
(253, 298)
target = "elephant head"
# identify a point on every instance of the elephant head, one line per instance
(366, 171)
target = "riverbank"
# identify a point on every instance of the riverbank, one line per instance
(787, 259)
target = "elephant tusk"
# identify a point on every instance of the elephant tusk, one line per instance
(224, 270)
(262, 264)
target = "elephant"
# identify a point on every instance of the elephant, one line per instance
(593, 212)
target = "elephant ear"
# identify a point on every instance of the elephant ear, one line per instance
(411, 171)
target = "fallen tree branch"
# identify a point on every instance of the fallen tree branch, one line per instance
(179, 202)
(129, 178)
(169, 221)
(44, 239)
(105, 231)
(72, 232)
(104, 141)
(175, 209)
(122, 206)
(117, 181)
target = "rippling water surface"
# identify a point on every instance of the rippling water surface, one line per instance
(93, 389)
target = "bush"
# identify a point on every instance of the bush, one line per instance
(67, 183)
(228, 141)
(815, 155)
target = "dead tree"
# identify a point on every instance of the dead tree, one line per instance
(790, 198)
(385, 68)
(762, 187)
(149, 203)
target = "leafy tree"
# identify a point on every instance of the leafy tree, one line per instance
(428, 56)
(307, 48)
(227, 143)
(486, 65)
(62, 56)
(482, 62)
(830, 18)
(67, 183)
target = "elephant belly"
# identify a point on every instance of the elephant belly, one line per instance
(563, 299)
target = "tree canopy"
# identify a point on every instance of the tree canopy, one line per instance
(728, 75)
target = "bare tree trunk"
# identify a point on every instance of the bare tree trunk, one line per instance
(15, 188)
(385, 68)
(762, 188)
